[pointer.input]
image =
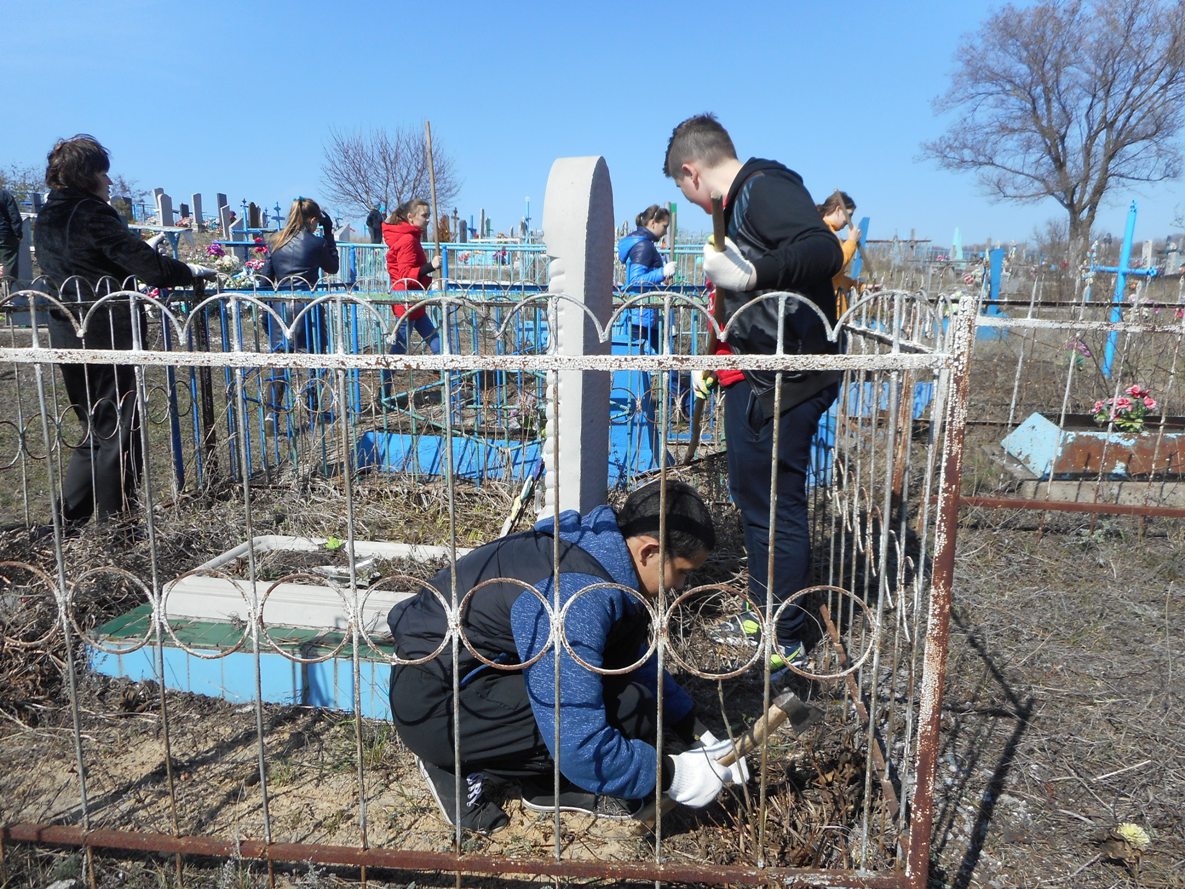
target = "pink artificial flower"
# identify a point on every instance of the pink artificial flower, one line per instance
(1150, 402)
(1180, 313)
(1123, 403)
(1100, 406)
(215, 249)
(1136, 391)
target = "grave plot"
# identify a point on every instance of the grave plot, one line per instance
(882, 527)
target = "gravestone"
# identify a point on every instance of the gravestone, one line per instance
(164, 209)
(220, 201)
(184, 210)
(224, 221)
(578, 232)
(197, 211)
(24, 255)
(253, 218)
(39, 201)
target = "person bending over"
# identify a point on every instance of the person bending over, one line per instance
(607, 723)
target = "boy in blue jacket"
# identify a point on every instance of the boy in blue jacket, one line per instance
(607, 724)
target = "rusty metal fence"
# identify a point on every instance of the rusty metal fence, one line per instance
(1077, 403)
(233, 431)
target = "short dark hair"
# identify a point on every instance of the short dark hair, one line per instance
(689, 525)
(76, 162)
(653, 213)
(700, 138)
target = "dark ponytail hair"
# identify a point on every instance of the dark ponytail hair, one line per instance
(404, 210)
(652, 213)
(833, 203)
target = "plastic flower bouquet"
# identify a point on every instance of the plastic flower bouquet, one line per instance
(1127, 412)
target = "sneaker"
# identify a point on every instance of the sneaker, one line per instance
(792, 653)
(740, 629)
(610, 808)
(478, 814)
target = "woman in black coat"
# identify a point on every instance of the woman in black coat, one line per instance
(86, 252)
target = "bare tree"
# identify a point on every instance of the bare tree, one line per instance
(1067, 99)
(362, 170)
(22, 179)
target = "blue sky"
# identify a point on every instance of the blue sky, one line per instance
(239, 97)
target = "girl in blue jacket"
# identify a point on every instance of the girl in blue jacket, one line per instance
(645, 269)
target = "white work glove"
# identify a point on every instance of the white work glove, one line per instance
(668, 270)
(702, 382)
(727, 268)
(739, 770)
(699, 777)
(203, 272)
(154, 241)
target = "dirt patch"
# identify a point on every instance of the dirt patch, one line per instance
(1062, 718)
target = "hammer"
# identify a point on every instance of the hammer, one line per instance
(785, 707)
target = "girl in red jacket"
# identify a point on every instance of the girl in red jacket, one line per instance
(410, 269)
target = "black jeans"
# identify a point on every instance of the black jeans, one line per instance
(749, 429)
(8, 259)
(499, 734)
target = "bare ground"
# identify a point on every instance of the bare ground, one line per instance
(1062, 719)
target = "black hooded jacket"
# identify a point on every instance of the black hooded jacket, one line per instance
(777, 227)
(82, 241)
(10, 218)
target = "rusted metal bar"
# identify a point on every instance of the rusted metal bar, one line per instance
(401, 859)
(1078, 326)
(524, 362)
(1167, 512)
(938, 616)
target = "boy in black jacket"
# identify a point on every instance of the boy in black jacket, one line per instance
(776, 242)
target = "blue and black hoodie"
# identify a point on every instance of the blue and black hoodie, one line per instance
(606, 627)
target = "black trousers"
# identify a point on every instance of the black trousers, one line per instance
(499, 735)
(104, 471)
(751, 465)
(8, 258)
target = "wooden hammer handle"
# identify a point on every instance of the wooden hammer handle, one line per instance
(753, 738)
(718, 230)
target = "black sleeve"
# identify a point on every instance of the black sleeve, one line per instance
(804, 253)
(267, 270)
(330, 261)
(13, 211)
(131, 255)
